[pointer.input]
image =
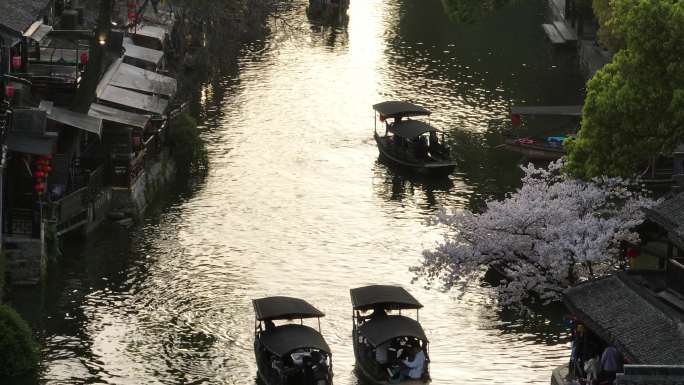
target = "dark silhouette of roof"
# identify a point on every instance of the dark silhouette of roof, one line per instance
(394, 109)
(383, 296)
(287, 338)
(276, 308)
(629, 317)
(18, 15)
(670, 215)
(383, 329)
(411, 128)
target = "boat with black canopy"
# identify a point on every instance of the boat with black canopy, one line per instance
(411, 143)
(290, 353)
(389, 347)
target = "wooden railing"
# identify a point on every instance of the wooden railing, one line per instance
(71, 211)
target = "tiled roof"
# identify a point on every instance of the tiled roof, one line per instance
(18, 15)
(670, 215)
(630, 319)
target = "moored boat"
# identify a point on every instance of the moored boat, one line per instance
(290, 353)
(410, 143)
(549, 150)
(389, 347)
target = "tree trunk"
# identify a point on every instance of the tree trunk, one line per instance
(96, 58)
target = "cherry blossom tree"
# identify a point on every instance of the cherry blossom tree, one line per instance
(552, 233)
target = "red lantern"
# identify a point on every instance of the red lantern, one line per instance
(16, 62)
(39, 187)
(516, 120)
(47, 169)
(9, 91)
(632, 252)
(84, 58)
(39, 174)
(48, 157)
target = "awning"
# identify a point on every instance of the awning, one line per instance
(31, 144)
(287, 338)
(131, 77)
(72, 118)
(383, 296)
(393, 109)
(118, 116)
(411, 128)
(132, 99)
(383, 329)
(137, 52)
(37, 31)
(276, 308)
(152, 31)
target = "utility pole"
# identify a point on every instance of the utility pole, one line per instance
(4, 113)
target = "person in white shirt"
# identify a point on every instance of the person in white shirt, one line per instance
(413, 369)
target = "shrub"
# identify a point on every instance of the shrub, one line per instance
(18, 352)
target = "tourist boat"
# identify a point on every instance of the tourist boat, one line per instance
(538, 150)
(411, 143)
(388, 331)
(290, 353)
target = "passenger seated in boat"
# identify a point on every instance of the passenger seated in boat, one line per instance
(377, 313)
(421, 147)
(413, 368)
(435, 147)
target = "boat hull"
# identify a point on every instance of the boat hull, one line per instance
(535, 151)
(425, 168)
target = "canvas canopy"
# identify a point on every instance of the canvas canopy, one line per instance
(37, 31)
(141, 53)
(31, 144)
(152, 31)
(411, 128)
(131, 77)
(72, 118)
(383, 329)
(395, 109)
(383, 296)
(116, 115)
(287, 338)
(132, 99)
(276, 308)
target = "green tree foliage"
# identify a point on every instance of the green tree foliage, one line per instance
(607, 33)
(470, 11)
(18, 352)
(634, 107)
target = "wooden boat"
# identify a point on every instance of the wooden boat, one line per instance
(381, 340)
(290, 353)
(535, 149)
(410, 143)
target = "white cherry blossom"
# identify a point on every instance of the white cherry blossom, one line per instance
(550, 234)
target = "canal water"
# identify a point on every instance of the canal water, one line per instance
(295, 202)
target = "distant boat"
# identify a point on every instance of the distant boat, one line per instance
(393, 334)
(542, 150)
(290, 353)
(410, 143)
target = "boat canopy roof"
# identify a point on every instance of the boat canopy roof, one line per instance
(383, 296)
(279, 308)
(287, 338)
(116, 115)
(382, 329)
(411, 128)
(397, 109)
